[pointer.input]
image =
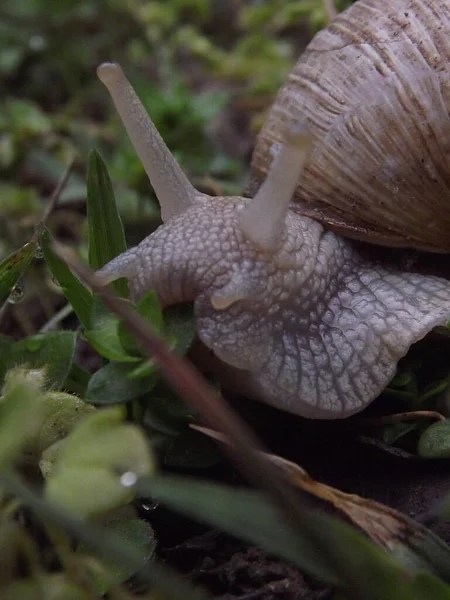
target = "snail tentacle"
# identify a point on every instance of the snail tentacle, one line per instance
(263, 219)
(173, 189)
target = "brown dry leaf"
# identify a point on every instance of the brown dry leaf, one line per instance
(386, 526)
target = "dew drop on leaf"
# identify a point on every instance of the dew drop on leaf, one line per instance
(128, 479)
(38, 252)
(148, 506)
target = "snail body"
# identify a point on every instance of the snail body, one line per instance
(298, 316)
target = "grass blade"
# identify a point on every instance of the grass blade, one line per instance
(250, 516)
(106, 234)
(76, 293)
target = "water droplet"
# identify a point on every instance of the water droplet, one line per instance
(55, 281)
(17, 294)
(38, 252)
(148, 506)
(128, 479)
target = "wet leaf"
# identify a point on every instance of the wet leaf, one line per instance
(93, 457)
(12, 267)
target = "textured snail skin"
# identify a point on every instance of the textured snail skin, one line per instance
(301, 318)
(318, 331)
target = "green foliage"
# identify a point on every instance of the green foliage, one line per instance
(130, 530)
(54, 350)
(22, 412)
(75, 292)
(435, 441)
(106, 235)
(406, 387)
(95, 456)
(86, 457)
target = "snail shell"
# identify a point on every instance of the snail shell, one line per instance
(374, 89)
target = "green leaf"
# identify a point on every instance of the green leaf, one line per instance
(78, 295)
(62, 412)
(393, 432)
(110, 385)
(426, 587)
(242, 513)
(150, 310)
(435, 440)
(93, 457)
(22, 411)
(146, 368)
(133, 531)
(77, 380)
(12, 267)
(165, 413)
(106, 235)
(103, 542)
(54, 350)
(434, 389)
(105, 338)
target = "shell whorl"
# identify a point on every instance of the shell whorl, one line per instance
(374, 90)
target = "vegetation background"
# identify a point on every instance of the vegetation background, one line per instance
(70, 475)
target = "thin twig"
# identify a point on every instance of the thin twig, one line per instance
(57, 192)
(52, 324)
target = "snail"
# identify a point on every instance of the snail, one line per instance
(355, 147)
